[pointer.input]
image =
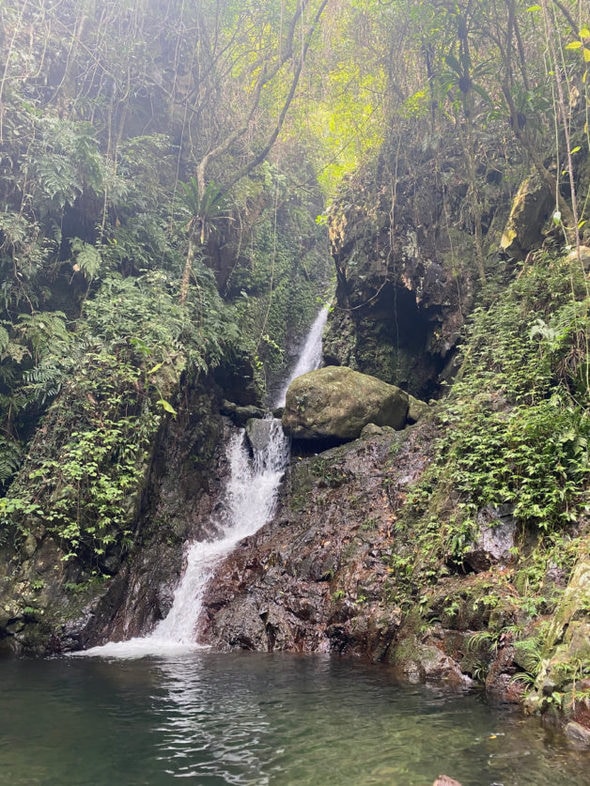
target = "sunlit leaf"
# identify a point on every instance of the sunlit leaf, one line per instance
(166, 406)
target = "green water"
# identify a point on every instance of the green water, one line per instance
(258, 719)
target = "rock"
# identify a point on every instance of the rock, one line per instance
(417, 409)
(530, 210)
(399, 307)
(337, 403)
(500, 683)
(313, 579)
(240, 415)
(444, 780)
(584, 257)
(258, 432)
(371, 430)
(417, 660)
(496, 538)
(578, 734)
(568, 634)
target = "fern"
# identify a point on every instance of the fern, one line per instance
(14, 229)
(45, 332)
(88, 259)
(65, 161)
(4, 341)
(11, 455)
(58, 179)
(43, 383)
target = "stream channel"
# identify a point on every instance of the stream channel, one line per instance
(161, 708)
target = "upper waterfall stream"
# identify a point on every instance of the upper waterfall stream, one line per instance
(255, 473)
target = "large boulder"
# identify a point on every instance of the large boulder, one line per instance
(337, 403)
(530, 210)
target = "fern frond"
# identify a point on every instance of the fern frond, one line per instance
(11, 454)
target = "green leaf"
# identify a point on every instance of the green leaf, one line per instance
(88, 259)
(533, 8)
(166, 406)
(452, 61)
(4, 339)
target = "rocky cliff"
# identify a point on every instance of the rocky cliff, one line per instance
(454, 549)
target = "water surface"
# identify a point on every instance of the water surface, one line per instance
(256, 719)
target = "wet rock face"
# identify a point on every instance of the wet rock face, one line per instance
(495, 539)
(337, 403)
(182, 495)
(51, 605)
(314, 579)
(401, 298)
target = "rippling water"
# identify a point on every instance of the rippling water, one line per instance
(258, 719)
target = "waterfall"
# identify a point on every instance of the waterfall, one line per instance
(256, 467)
(310, 357)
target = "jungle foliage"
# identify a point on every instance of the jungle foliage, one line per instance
(162, 164)
(513, 442)
(144, 238)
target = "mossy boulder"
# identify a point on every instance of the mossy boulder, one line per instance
(337, 403)
(530, 210)
(567, 649)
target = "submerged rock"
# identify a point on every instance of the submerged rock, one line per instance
(337, 403)
(425, 661)
(578, 734)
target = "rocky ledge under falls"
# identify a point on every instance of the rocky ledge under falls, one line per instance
(316, 578)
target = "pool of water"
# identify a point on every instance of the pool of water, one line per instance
(255, 719)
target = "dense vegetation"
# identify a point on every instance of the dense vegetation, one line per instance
(125, 265)
(167, 172)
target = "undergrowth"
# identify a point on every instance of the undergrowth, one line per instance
(82, 478)
(513, 440)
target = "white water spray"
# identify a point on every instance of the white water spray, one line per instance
(311, 353)
(250, 499)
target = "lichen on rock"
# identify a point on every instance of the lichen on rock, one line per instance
(336, 402)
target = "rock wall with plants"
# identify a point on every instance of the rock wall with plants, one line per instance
(154, 261)
(456, 549)
(402, 241)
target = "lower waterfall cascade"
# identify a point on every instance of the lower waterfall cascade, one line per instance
(255, 473)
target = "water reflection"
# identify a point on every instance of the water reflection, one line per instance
(213, 725)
